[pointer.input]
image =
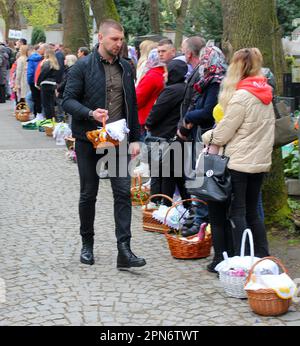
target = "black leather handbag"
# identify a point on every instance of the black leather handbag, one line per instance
(213, 173)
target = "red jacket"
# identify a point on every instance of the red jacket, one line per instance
(148, 90)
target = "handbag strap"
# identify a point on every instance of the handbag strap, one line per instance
(210, 143)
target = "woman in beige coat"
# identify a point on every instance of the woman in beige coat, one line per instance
(247, 130)
(21, 86)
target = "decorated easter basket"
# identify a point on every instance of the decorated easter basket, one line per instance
(22, 112)
(191, 247)
(149, 223)
(139, 194)
(266, 302)
(234, 285)
(100, 138)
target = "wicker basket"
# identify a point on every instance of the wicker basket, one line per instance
(49, 130)
(139, 194)
(266, 302)
(184, 249)
(234, 285)
(149, 223)
(70, 143)
(101, 139)
(22, 112)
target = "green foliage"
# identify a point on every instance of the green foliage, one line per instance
(205, 18)
(40, 13)
(287, 11)
(38, 35)
(292, 164)
(134, 16)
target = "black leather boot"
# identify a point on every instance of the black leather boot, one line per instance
(87, 255)
(126, 258)
(211, 266)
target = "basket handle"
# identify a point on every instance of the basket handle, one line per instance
(160, 195)
(22, 105)
(181, 202)
(135, 180)
(248, 232)
(274, 259)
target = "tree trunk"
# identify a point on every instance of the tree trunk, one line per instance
(13, 15)
(181, 15)
(104, 9)
(154, 17)
(255, 24)
(10, 14)
(75, 32)
(60, 12)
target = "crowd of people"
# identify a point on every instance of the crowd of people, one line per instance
(164, 94)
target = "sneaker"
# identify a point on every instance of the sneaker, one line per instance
(142, 170)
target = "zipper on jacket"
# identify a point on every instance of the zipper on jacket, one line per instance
(125, 98)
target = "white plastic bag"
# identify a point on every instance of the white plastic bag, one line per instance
(61, 131)
(117, 130)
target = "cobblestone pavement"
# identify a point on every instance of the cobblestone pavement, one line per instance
(39, 254)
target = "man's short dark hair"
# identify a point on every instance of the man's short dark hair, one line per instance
(84, 50)
(165, 41)
(23, 41)
(195, 44)
(110, 23)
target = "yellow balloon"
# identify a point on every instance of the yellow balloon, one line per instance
(218, 113)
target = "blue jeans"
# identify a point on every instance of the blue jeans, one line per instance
(201, 212)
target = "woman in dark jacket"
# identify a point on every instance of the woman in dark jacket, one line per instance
(162, 122)
(212, 70)
(47, 82)
(70, 60)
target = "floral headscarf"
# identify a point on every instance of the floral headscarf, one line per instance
(212, 67)
(153, 60)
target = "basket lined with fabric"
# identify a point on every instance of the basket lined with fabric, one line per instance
(70, 142)
(234, 285)
(139, 194)
(149, 223)
(22, 112)
(266, 302)
(191, 247)
(100, 138)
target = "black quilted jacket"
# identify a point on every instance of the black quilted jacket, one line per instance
(86, 90)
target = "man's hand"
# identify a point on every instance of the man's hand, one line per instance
(100, 114)
(134, 149)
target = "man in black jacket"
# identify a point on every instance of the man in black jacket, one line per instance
(101, 87)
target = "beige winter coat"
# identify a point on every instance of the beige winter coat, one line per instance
(21, 77)
(247, 129)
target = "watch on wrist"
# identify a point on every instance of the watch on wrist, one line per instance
(91, 114)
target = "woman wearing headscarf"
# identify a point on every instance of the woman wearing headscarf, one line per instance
(149, 87)
(212, 71)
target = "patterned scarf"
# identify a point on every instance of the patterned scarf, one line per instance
(212, 68)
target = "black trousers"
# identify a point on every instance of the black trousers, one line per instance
(244, 213)
(36, 98)
(220, 229)
(48, 100)
(87, 160)
(2, 93)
